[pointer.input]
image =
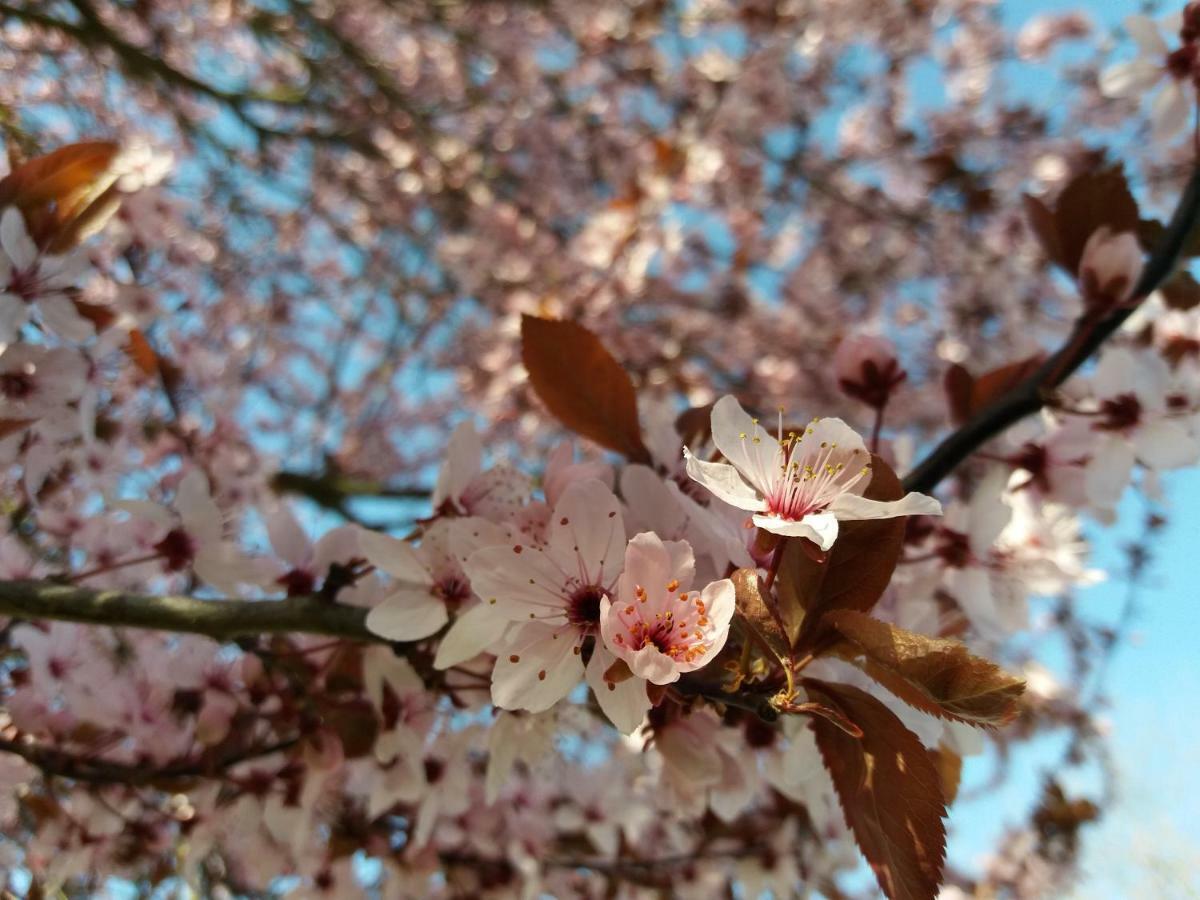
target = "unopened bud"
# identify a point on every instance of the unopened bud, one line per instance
(866, 368)
(1109, 269)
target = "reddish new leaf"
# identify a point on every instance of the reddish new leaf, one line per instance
(990, 386)
(957, 383)
(582, 385)
(755, 613)
(1090, 200)
(1181, 291)
(890, 792)
(857, 569)
(935, 675)
(13, 426)
(57, 177)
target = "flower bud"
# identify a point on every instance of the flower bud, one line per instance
(1109, 268)
(866, 368)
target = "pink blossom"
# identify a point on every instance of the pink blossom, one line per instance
(1155, 64)
(657, 624)
(800, 485)
(28, 277)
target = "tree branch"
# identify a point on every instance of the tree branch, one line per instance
(62, 764)
(1087, 337)
(221, 619)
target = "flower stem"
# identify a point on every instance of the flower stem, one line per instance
(114, 566)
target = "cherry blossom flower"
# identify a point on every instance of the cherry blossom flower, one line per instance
(464, 488)
(35, 381)
(799, 485)
(194, 535)
(27, 277)
(1133, 423)
(430, 580)
(657, 624)
(1155, 63)
(307, 564)
(553, 596)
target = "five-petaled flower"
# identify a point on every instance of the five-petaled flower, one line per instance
(800, 484)
(658, 625)
(553, 595)
(27, 277)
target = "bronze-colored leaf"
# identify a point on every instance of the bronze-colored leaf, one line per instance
(990, 386)
(142, 354)
(949, 766)
(1045, 229)
(58, 176)
(857, 569)
(834, 716)
(582, 385)
(957, 383)
(757, 615)
(1092, 199)
(1181, 291)
(356, 724)
(889, 789)
(936, 675)
(13, 426)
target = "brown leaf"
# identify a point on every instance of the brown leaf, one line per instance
(890, 792)
(935, 675)
(57, 177)
(13, 426)
(756, 614)
(1181, 291)
(100, 316)
(957, 383)
(858, 567)
(990, 386)
(949, 766)
(142, 354)
(582, 385)
(356, 724)
(833, 716)
(1045, 229)
(1095, 198)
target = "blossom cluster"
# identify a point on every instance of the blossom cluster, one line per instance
(487, 662)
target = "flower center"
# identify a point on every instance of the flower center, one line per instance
(812, 477)
(177, 549)
(453, 591)
(16, 385)
(1120, 413)
(583, 608)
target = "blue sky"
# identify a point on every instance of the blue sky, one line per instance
(1149, 843)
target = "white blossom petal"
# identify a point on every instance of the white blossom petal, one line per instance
(725, 482)
(407, 615)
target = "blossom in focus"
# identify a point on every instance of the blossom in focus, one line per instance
(1155, 63)
(553, 596)
(798, 485)
(658, 625)
(28, 277)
